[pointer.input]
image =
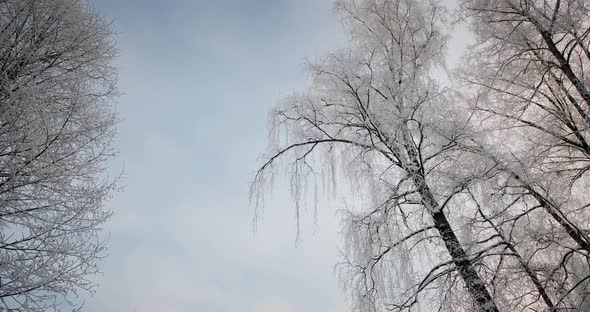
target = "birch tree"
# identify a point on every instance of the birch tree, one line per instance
(56, 127)
(531, 65)
(374, 111)
(529, 69)
(474, 199)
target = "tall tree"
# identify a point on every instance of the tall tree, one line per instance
(531, 58)
(375, 109)
(529, 67)
(56, 127)
(478, 196)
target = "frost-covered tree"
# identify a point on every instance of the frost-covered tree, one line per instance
(463, 200)
(375, 114)
(530, 62)
(529, 69)
(56, 127)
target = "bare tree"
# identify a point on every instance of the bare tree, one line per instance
(529, 67)
(375, 110)
(478, 197)
(56, 128)
(531, 60)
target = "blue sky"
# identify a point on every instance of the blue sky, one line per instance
(198, 79)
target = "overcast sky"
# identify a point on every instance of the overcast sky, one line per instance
(199, 78)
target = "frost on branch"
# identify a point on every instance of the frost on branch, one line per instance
(473, 199)
(375, 116)
(56, 129)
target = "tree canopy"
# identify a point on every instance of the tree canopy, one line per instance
(57, 124)
(472, 192)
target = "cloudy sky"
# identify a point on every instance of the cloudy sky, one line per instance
(199, 78)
